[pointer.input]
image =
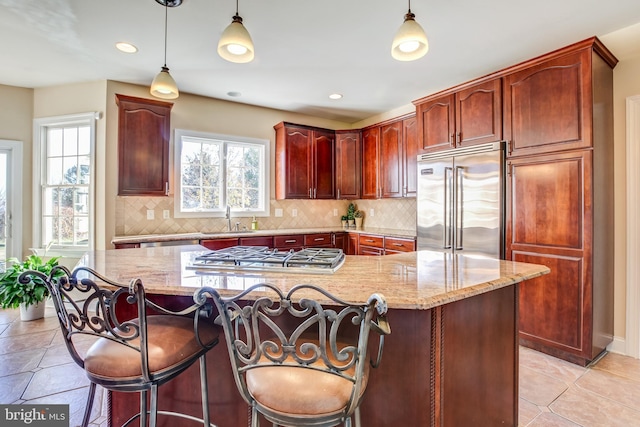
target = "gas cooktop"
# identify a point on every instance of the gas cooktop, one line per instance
(262, 258)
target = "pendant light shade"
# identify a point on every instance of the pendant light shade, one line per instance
(235, 44)
(410, 42)
(163, 85)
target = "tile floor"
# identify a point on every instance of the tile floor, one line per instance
(35, 367)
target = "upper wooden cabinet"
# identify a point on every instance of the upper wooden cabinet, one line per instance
(304, 162)
(472, 115)
(410, 151)
(348, 164)
(391, 160)
(143, 146)
(548, 107)
(389, 155)
(370, 162)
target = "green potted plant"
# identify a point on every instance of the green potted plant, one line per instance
(358, 215)
(28, 297)
(344, 220)
(351, 214)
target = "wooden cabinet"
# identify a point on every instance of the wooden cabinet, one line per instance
(318, 240)
(394, 245)
(215, 244)
(353, 247)
(410, 148)
(288, 242)
(560, 198)
(370, 162)
(548, 106)
(143, 146)
(389, 155)
(256, 241)
(369, 244)
(348, 164)
(340, 241)
(304, 162)
(469, 116)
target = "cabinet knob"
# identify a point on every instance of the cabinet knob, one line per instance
(166, 188)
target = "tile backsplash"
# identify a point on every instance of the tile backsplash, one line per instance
(131, 216)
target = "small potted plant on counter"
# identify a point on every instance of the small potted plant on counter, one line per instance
(351, 215)
(28, 297)
(345, 221)
(358, 215)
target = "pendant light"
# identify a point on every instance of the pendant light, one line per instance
(235, 44)
(410, 42)
(163, 85)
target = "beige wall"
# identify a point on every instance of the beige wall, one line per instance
(626, 83)
(16, 124)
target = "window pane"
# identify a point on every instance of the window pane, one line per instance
(70, 167)
(81, 231)
(70, 142)
(84, 140)
(191, 174)
(190, 198)
(81, 201)
(54, 142)
(64, 231)
(85, 169)
(54, 171)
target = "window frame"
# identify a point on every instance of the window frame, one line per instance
(40, 127)
(179, 134)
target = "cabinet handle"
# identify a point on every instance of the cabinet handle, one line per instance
(166, 188)
(452, 140)
(315, 192)
(458, 137)
(509, 146)
(398, 244)
(310, 193)
(338, 193)
(369, 240)
(318, 239)
(289, 241)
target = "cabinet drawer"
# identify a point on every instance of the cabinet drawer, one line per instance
(288, 242)
(257, 241)
(372, 241)
(215, 244)
(316, 240)
(399, 245)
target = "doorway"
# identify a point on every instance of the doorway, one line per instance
(10, 201)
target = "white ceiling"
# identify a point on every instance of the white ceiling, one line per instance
(305, 49)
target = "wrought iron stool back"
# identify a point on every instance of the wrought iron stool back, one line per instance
(294, 361)
(130, 356)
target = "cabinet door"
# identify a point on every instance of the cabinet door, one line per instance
(143, 146)
(352, 244)
(296, 168)
(323, 165)
(391, 160)
(370, 140)
(410, 147)
(318, 240)
(214, 244)
(479, 114)
(339, 241)
(257, 241)
(348, 165)
(549, 222)
(436, 124)
(548, 107)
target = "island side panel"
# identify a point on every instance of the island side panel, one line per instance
(479, 360)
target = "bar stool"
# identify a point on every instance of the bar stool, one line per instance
(136, 355)
(294, 361)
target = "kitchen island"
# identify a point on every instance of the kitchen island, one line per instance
(451, 359)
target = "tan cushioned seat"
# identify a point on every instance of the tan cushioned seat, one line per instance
(292, 389)
(171, 340)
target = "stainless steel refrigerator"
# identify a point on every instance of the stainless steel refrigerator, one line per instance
(460, 200)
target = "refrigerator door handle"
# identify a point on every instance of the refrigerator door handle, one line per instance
(459, 207)
(448, 208)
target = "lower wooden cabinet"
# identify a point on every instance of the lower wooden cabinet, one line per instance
(257, 241)
(393, 245)
(288, 242)
(318, 240)
(370, 245)
(215, 244)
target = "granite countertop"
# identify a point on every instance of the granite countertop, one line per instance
(145, 238)
(413, 280)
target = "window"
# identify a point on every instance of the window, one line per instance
(63, 167)
(213, 171)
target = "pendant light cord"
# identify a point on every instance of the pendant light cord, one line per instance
(166, 8)
(409, 6)
(237, 6)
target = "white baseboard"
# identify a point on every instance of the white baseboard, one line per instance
(618, 346)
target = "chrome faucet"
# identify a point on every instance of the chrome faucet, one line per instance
(228, 218)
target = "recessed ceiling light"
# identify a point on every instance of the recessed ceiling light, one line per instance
(126, 47)
(234, 94)
(335, 96)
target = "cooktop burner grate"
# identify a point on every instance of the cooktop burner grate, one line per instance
(257, 257)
